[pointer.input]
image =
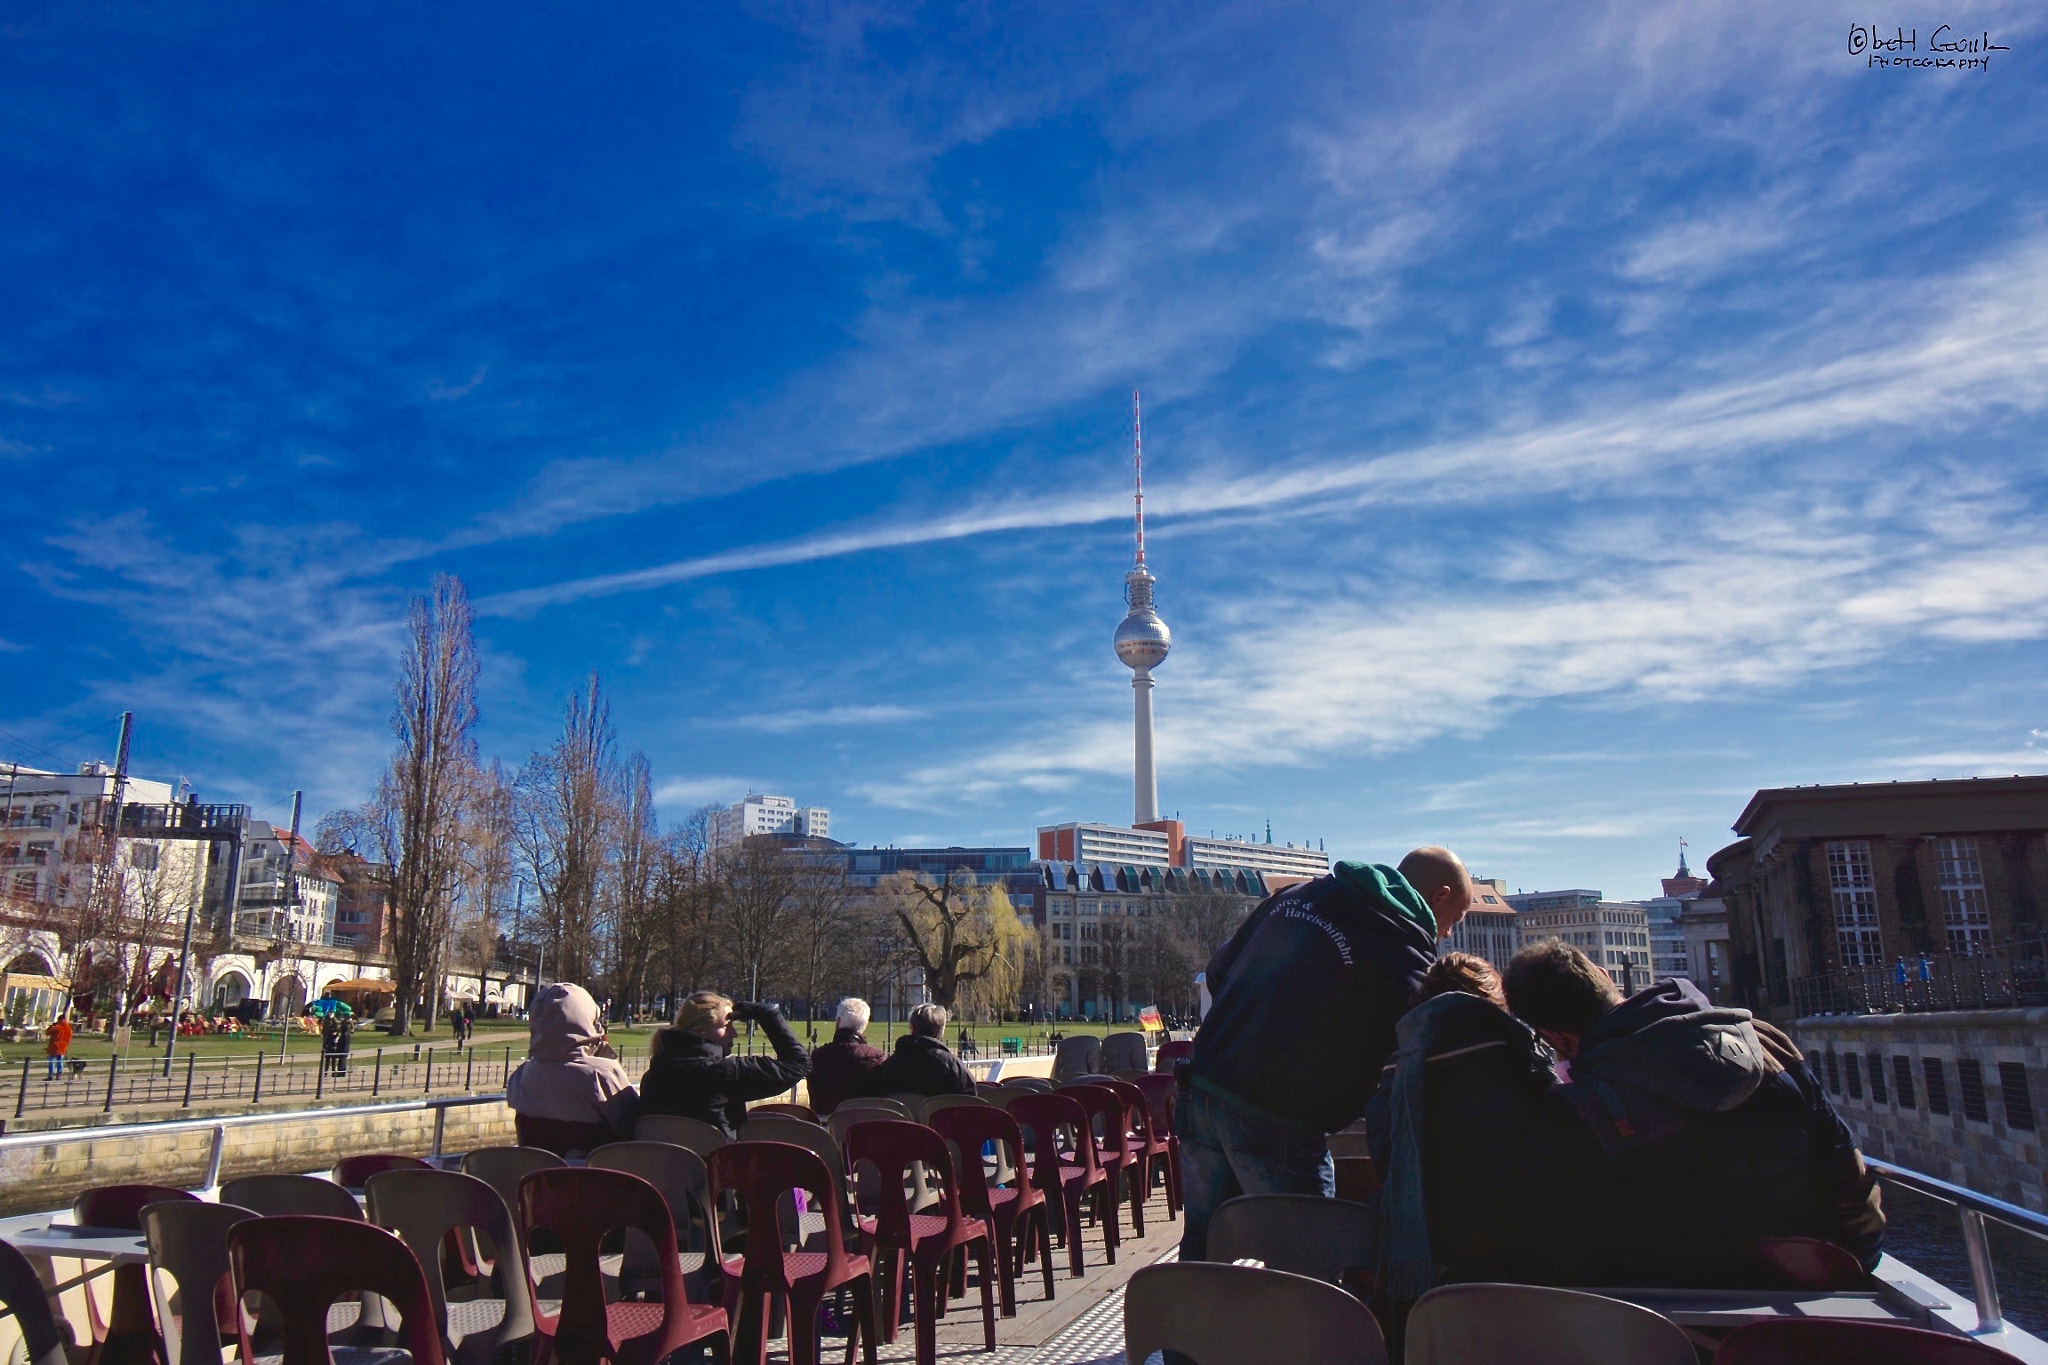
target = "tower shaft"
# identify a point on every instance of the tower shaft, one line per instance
(1145, 778)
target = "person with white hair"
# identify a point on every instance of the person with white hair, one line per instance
(840, 1068)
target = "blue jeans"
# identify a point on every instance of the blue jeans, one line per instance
(1226, 1151)
(56, 1068)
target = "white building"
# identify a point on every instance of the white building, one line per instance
(1166, 843)
(288, 892)
(1615, 934)
(43, 816)
(767, 815)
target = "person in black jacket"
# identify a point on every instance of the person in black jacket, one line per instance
(1707, 1115)
(1306, 994)
(692, 1072)
(921, 1065)
(1448, 1130)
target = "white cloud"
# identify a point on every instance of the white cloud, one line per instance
(786, 722)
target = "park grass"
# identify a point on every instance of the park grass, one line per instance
(493, 1034)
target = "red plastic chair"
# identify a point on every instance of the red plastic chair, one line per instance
(1170, 1052)
(1833, 1341)
(128, 1334)
(1162, 1099)
(1113, 1129)
(1797, 1263)
(303, 1263)
(1147, 1149)
(927, 1241)
(580, 1206)
(760, 1174)
(1069, 1175)
(789, 1107)
(354, 1172)
(1007, 1208)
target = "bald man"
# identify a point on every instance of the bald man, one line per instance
(1306, 996)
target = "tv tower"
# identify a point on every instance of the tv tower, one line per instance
(1142, 640)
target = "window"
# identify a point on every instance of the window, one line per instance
(1834, 1073)
(1902, 1081)
(2019, 1101)
(1963, 905)
(1877, 1085)
(1937, 1084)
(1970, 1079)
(1853, 1065)
(1855, 892)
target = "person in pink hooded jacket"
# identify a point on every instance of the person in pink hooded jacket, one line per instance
(570, 1094)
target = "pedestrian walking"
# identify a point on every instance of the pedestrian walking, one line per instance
(57, 1043)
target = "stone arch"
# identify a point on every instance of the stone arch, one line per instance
(229, 989)
(288, 996)
(31, 963)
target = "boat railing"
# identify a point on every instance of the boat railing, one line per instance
(219, 1126)
(1974, 1210)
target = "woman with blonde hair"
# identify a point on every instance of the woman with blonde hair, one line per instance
(692, 1071)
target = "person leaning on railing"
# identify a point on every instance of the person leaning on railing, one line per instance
(691, 1070)
(570, 1094)
(1705, 1115)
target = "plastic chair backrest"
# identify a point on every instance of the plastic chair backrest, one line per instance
(1105, 1112)
(893, 1107)
(788, 1107)
(677, 1172)
(1162, 1096)
(700, 1137)
(121, 1206)
(1076, 1057)
(277, 1195)
(188, 1243)
(968, 1128)
(814, 1136)
(1349, 1144)
(1798, 1263)
(424, 1206)
(1137, 1113)
(842, 1121)
(502, 1168)
(1302, 1234)
(354, 1172)
(1037, 1085)
(938, 1102)
(580, 1206)
(1123, 1052)
(1493, 1324)
(1241, 1315)
(761, 1173)
(1833, 1341)
(303, 1263)
(1170, 1052)
(893, 1147)
(22, 1293)
(1045, 1115)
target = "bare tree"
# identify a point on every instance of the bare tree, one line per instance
(823, 928)
(566, 804)
(416, 823)
(963, 935)
(758, 880)
(635, 902)
(689, 900)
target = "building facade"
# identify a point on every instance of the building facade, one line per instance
(1834, 880)
(1615, 934)
(1166, 843)
(758, 814)
(1104, 929)
(1490, 928)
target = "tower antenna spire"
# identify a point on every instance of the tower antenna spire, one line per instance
(1138, 468)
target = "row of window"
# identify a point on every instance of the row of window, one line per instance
(1959, 877)
(1901, 1080)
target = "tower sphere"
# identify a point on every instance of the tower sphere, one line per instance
(1142, 640)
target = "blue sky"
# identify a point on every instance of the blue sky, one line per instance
(1560, 420)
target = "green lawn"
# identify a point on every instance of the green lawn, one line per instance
(494, 1034)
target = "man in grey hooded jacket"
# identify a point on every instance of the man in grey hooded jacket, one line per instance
(1685, 1133)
